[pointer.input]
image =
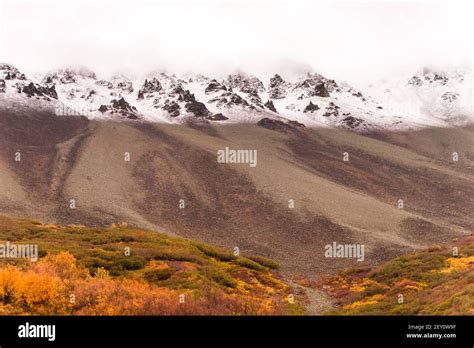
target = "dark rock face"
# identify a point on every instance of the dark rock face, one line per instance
(51, 92)
(236, 99)
(311, 108)
(124, 85)
(332, 110)
(31, 90)
(90, 95)
(320, 90)
(214, 86)
(105, 83)
(103, 108)
(14, 75)
(296, 124)
(173, 108)
(197, 108)
(352, 122)
(415, 81)
(450, 96)
(250, 85)
(316, 85)
(63, 76)
(276, 81)
(255, 100)
(191, 105)
(229, 99)
(358, 95)
(439, 78)
(270, 106)
(122, 107)
(280, 126)
(217, 117)
(9, 72)
(151, 86)
(277, 87)
(36, 90)
(245, 83)
(3, 86)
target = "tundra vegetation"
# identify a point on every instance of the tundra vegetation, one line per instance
(127, 271)
(435, 281)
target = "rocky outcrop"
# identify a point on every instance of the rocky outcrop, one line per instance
(103, 108)
(332, 110)
(320, 90)
(277, 88)
(353, 122)
(415, 81)
(229, 99)
(172, 107)
(315, 85)
(197, 108)
(245, 83)
(450, 96)
(122, 107)
(36, 90)
(217, 117)
(123, 84)
(191, 105)
(67, 76)
(270, 106)
(9, 72)
(311, 108)
(214, 86)
(280, 126)
(150, 86)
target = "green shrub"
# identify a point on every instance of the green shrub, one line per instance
(264, 261)
(217, 253)
(247, 263)
(131, 263)
(157, 275)
(220, 277)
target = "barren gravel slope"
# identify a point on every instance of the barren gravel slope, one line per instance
(234, 204)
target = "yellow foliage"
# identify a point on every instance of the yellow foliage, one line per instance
(362, 285)
(357, 288)
(370, 300)
(45, 288)
(458, 264)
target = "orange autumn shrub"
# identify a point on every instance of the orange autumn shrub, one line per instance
(56, 285)
(31, 292)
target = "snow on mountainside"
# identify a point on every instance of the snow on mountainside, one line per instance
(16, 90)
(427, 98)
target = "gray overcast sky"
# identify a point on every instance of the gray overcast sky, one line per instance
(354, 41)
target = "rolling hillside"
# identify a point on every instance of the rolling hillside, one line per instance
(87, 271)
(64, 158)
(428, 282)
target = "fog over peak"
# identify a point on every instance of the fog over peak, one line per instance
(352, 41)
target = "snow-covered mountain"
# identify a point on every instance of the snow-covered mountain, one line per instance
(426, 98)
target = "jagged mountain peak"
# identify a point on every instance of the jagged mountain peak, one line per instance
(433, 97)
(10, 72)
(68, 75)
(245, 83)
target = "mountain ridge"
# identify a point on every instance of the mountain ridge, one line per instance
(426, 98)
